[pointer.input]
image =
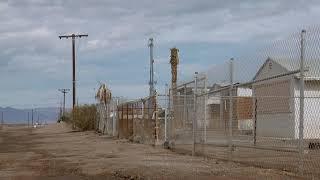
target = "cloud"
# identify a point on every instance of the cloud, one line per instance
(116, 51)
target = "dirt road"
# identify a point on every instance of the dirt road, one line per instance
(56, 152)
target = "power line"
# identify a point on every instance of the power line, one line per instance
(73, 37)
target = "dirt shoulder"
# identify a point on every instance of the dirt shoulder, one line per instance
(56, 152)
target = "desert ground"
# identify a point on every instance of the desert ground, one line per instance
(57, 152)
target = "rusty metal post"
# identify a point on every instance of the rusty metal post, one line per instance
(301, 114)
(230, 144)
(194, 122)
(156, 120)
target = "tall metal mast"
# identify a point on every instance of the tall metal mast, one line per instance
(151, 82)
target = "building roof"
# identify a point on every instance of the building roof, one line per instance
(289, 65)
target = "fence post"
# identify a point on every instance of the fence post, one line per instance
(255, 101)
(28, 119)
(132, 120)
(230, 109)
(165, 115)
(194, 114)
(157, 124)
(117, 118)
(301, 114)
(108, 117)
(222, 123)
(184, 106)
(205, 111)
(171, 124)
(127, 122)
(143, 121)
(114, 126)
(2, 120)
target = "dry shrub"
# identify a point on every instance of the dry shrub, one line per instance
(84, 117)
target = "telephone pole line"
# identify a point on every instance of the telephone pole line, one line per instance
(73, 37)
(64, 91)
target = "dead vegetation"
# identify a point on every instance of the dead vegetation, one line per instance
(82, 117)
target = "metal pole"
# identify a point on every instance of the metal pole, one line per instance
(255, 122)
(185, 106)
(143, 120)
(32, 117)
(170, 124)
(221, 110)
(64, 104)
(301, 114)
(132, 118)
(205, 112)
(230, 108)
(117, 118)
(165, 115)
(151, 82)
(156, 119)
(194, 114)
(127, 128)
(113, 119)
(28, 119)
(2, 120)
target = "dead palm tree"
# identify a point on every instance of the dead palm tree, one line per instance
(103, 94)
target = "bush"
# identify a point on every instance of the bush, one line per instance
(81, 117)
(84, 117)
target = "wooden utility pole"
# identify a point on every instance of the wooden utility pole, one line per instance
(73, 37)
(64, 91)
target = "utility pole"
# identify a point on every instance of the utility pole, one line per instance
(64, 91)
(151, 82)
(73, 37)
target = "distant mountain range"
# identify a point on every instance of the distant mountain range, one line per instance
(17, 116)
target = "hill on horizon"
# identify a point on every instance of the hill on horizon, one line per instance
(20, 116)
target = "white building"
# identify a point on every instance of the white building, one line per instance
(277, 100)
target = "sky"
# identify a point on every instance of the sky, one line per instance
(35, 63)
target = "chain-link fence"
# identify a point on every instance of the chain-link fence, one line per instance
(249, 109)
(107, 121)
(246, 110)
(141, 121)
